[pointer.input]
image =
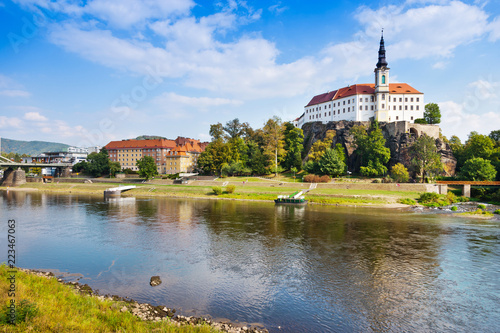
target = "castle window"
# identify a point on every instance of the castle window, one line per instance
(366, 99)
(344, 102)
(372, 98)
(418, 99)
(344, 110)
(406, 99)
(397, 117)
(394, 107)
(383, 79)
(400, 107)
(330, 106)
(383, 97)
(366, 107)
(406, 107)
(334, 112)
(383, 106)
(411, 118)
(325, 114)
(361, 100)
(349, 109)
(372, 107)
(329, 114)
(411, 99)
(349, 101)
(411, 107)
(417, 107)
(400, 99)
(394, 100)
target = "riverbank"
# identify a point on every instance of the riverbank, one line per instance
(370, 195)
(45, 303)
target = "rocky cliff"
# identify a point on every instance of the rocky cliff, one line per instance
(397, 142)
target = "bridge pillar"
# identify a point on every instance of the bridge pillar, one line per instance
(466, 191)
(442, 188)
(14, 177)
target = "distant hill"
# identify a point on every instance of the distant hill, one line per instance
(149, 137)
(31, 147)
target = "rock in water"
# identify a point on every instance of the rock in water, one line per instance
(155, 281)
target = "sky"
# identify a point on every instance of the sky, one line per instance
(91, 71)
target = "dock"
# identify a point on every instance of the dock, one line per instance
(117, 191)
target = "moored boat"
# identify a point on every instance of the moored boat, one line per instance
(295, 199)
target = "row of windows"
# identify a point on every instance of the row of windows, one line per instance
(372, 99)
(361, 109)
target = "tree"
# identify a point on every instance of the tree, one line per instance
(217, 132)
(233, 129)
(478, 145)
(332, 163)
(421, 121)
(147, 167)
(432, 114)
(424, 157)
(319, 147)
(399, 173)
(114, 167)
(256, 159)
(495, 136)
(371, 148)
(216, 154)
(294, 139)
(98, 163)
(273, 140)
(478, 169)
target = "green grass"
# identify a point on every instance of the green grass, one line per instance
(407, 201)
(263, 190)
(479, 212)
(60, 309)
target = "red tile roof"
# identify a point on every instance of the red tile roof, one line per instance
(361, 89)
(156, 143)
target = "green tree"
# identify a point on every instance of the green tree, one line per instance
(257, 162)
(399, 173)
(114, 167)
(273, 140)
(432, 114)
(371, 148)
(332, 163)
(217, 132)
(320, 146)
(478, 169)
(421, 121)
(98, 163)
(233, 129)
(147, 167)
(478, 145)
(425, 158)
(294, 139)
(216, 154)
(495, 136)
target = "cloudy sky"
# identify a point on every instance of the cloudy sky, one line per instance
(87, 72)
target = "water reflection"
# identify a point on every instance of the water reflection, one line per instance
(302, 268)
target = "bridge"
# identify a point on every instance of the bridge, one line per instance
(467, 185)
(13, 177)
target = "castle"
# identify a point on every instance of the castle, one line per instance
(383, 101)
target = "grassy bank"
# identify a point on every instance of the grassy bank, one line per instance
(251, 190)
(53, 307)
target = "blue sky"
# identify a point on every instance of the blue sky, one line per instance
(88, 72)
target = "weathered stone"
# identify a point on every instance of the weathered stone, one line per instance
(400, 136)
(155, 281)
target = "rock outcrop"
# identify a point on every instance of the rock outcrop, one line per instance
(398, 139)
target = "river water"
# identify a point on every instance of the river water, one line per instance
(290, 269)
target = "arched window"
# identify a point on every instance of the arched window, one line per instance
(383, 79)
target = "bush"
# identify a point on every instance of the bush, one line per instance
(377, 181)
(324, 179)
(481, 206)
(497, 211)
(454, 208)
(408, 201)
(428, 197)
(217, 190)
(230, 188)
(316, 179)
(399, 173)
(24, 311)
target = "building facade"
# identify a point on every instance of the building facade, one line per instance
(171, 156)
(383, 101)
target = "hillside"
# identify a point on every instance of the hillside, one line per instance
(31, 147)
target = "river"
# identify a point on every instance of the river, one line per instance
(290, 269)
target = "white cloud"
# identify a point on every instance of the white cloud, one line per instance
(277, 8)
(34, 116)
(14, 93)
(434, 30)
(485, 89)
(494, 28)
(440, 65)
(198, 102)
(461, 119)
(10, 122)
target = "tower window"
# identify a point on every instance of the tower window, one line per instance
(383, 79)
(383, 97)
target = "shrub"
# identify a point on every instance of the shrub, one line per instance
(377, 181)
(324, 179)
(454, 208)
(399, 173)
(24, 311)
(230, 188)
(407, 201)
(428, 197)
(481, 206)
(497, 211)
(217, 190)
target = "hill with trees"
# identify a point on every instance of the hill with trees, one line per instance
(31, 147)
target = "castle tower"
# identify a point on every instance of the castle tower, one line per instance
(381, 84)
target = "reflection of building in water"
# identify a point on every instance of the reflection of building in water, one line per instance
(290, 211)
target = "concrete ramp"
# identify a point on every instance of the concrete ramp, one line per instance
(117, 191)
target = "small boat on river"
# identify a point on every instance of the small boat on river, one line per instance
(296, 198)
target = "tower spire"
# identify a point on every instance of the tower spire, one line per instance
(381, 53)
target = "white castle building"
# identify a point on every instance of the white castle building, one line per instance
(383, 101)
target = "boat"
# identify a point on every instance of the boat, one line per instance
(296, 198)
